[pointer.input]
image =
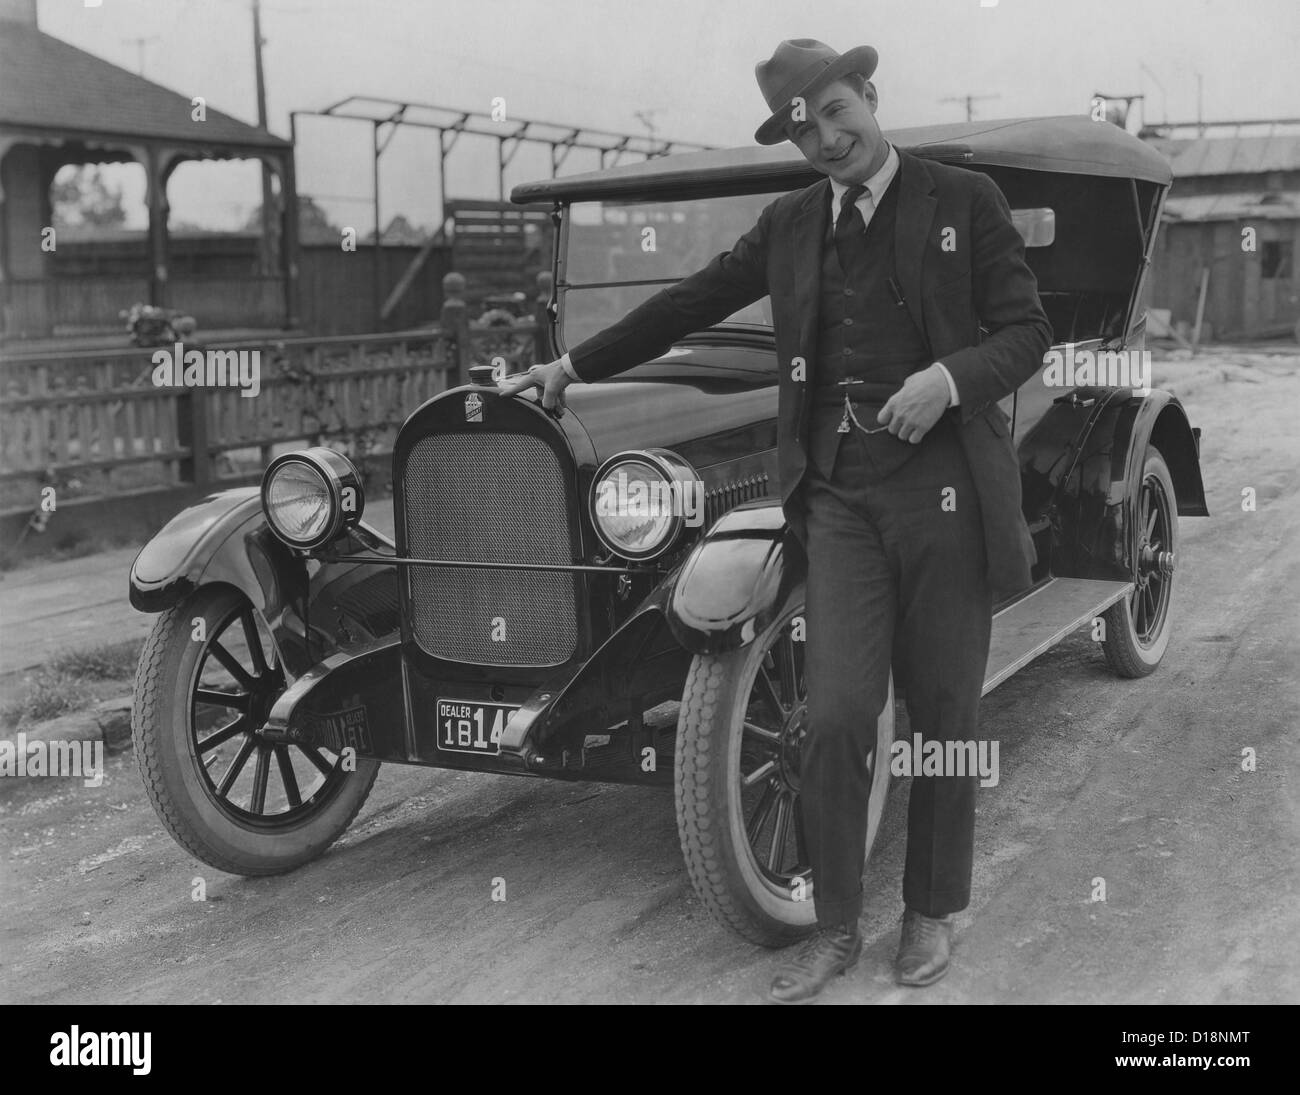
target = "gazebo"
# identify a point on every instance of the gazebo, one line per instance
(60, 105)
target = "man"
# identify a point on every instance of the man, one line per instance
(897, 470)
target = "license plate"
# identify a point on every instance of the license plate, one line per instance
(467, 726)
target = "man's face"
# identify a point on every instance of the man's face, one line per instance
(839, 136)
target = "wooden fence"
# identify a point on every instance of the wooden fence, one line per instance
(96, 423)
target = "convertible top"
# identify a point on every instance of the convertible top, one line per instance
(1070, 144)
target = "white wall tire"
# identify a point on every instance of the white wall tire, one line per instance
(736, 784)
(237, 802)
(1138, 628)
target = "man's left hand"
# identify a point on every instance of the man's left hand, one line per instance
(916, 406)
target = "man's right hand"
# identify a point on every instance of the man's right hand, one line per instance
(551, 378)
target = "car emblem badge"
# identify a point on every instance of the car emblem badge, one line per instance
(473, 407)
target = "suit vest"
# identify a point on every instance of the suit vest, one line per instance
(864, 329)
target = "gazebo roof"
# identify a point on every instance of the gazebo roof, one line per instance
(51, 86)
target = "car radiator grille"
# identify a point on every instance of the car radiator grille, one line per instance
(497, 498)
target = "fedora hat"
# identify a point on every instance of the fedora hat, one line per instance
(802, 67)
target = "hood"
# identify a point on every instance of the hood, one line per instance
(683, 401)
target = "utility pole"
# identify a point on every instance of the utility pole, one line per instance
(1164, 101)
(269, 245)
(968, 100)
(139, 50)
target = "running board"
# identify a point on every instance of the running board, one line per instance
(1037, 622)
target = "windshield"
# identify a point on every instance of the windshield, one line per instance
(620, 253)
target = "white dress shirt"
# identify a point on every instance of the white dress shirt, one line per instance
(876, 186)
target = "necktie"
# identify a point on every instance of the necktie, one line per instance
(850, 237)
(850, 228)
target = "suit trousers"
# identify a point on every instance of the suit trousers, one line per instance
(896, 578)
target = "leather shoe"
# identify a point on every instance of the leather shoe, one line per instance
(924, 949)
(828, 952)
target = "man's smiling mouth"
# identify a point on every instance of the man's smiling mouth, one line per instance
(836, 159)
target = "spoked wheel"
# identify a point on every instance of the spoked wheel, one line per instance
(206, 681)
(1137, 628)
(740, 733)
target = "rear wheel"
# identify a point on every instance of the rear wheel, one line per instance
(1138, 628)
(206, 681)
(740, 732)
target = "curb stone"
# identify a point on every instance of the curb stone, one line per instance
(108, 721)
(114, 719)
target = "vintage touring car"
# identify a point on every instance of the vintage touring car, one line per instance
(515, 626)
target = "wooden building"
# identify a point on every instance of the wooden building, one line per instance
(1232, 222)
(60, 105)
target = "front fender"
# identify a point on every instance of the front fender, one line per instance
(311, 608)
(735, 580)
(353, 697)
(730, 586)
(222, 538)
(639, 665)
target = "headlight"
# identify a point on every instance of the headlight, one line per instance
(642, 502)
(309, 497)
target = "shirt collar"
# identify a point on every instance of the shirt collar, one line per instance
(876, 184)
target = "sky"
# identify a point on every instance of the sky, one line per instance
(688, 64)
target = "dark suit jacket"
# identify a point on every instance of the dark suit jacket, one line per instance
(953, 281)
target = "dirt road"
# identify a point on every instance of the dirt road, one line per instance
(1139, 783)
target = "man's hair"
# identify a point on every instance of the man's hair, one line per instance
(856, 80)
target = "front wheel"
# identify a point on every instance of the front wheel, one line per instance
(1137, 628)
(740, 730)
(206, 681)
